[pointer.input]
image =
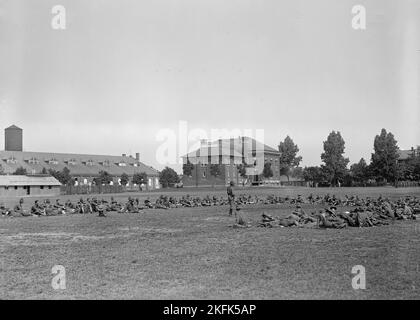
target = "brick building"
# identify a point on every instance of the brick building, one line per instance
(405, 155)
(229, 154)
(83, 167)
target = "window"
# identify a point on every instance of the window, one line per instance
(204, 174)
(89, 163)
(16, 187)
(33, 160)
(49, 187)
(41, 187)
(6, 188)
(12, 160)
(72, 162)
(122, 164)
(53, 161)
(106, 163)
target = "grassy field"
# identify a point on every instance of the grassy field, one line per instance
(194, 253)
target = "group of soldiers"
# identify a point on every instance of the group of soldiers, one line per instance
(362, 213)
(133, 205)
(88, 206)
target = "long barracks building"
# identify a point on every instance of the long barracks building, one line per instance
(83, 167)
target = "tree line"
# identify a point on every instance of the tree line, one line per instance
(384, 166)
(167, 177)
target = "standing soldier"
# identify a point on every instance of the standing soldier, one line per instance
(231, 198)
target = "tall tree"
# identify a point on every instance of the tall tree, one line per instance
(288, 156)
(385, 156)
(168, 177)
(335, 165)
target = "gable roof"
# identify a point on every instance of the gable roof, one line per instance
(114, 165)
(28, 181)
(13, 127)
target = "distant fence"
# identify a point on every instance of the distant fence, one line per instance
(407, 184)
(83, 189)
(294, 183)
(69, 190)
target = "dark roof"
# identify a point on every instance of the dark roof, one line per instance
(254, 145)
(13, 127)
(84, 164)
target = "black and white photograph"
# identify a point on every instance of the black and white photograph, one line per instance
(237, 151)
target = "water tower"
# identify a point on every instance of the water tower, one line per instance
(13, 139)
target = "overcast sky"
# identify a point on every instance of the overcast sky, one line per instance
(123, 70)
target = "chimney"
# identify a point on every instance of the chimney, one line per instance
(124, 155)
(138, 156)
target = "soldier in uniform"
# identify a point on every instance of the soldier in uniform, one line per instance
(3, 210)
(231, 199)
(18, 209)
(148, 203)
(37, 209)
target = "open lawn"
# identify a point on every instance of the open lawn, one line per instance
(194, 253)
